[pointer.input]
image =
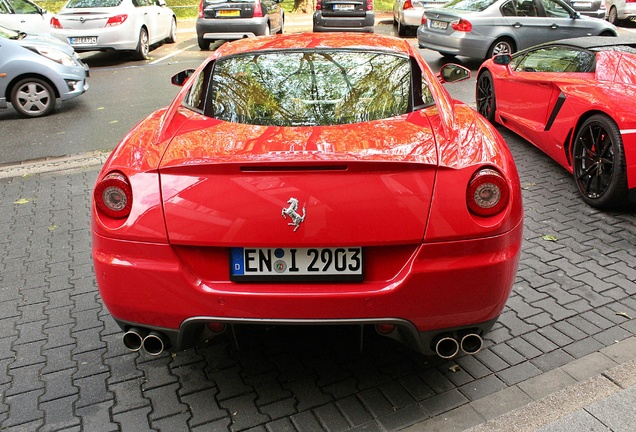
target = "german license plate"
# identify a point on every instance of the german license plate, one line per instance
(88, 40)
(228, 13)
(252, 264)
(343, 7)
(442, 25)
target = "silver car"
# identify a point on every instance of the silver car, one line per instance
(24, 16)
(483, 28)
(36, 71)
(407, 14)
(105, 25)
(620, 10)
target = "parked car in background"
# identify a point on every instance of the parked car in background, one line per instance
(237, 19)
(344, 16)
(36, 71)
(581, 93)
(121, 25)
(407, 14)
(483, 28)
(591, 8)
(24, 16)
(620, 10)
(309, 179)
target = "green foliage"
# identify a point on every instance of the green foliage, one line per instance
(189, 8)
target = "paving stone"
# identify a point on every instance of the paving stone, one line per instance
(136, 420)
(518, 373)
(92, 390)
(546, 383)
(279, 409)
(341, 389)
(164, 401)
(583, 347)
(375, 402)
(500, 402)
(354, 411)
(482, 387)
(307, 393)
(552, 360)
(23, 408)
(178, 422)
(58, 414)
(59, 385)
(588, 366)
(203, 407)
(403, 418)
(330, 418)
(128, 395)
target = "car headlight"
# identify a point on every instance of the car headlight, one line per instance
(56, 55)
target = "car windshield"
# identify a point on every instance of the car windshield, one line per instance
(469, 5)
(80, 4)
(310, 88)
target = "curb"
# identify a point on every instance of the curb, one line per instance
(53, 164)
(546, 398)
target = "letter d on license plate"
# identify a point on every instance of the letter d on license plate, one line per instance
(296, 264)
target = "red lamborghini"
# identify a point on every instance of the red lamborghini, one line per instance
(574, 100)
(309, 179)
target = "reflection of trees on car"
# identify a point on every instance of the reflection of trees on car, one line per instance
(317, 88)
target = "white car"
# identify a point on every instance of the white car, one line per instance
(407, 14)
(24, 16)
(122, 25)
(620, 10)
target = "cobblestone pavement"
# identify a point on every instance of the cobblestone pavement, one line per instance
(63, 366)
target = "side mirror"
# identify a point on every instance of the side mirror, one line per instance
(182, 77)
(502, 59)
(453, 72)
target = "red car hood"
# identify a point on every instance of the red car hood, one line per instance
(226, 184)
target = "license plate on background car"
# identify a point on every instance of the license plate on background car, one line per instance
(442, 25)
(296, 263)
(88, 40)
(228, 13)
(343, 7)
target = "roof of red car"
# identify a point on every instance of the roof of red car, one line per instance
(316, 40)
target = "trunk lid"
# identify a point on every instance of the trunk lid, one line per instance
(228, 184)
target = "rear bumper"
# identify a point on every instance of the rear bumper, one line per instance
(459, 43)
(412, 17)
(437, 288)
(344, 24)
(231, 28)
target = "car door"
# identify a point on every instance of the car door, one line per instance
(562, 22)
(273, 10)
(25, 16)
(523, 19)
(533, 99)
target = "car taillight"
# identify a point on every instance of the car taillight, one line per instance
(318, 4)
(408, 5)
(462, 25)
(258, 10)
(423, 22)
(201, 15)
(116, 20)
(487, 193)
(369, 4)
(55, 23)
(113, 195)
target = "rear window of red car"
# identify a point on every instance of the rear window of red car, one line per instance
(308, 88)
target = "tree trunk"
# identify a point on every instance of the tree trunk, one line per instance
(303, 6)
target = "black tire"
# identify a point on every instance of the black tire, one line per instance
(282, 24)
(204, 44)
(33, 97)
(172, 36)
(401, 29)
(143, 45)
(599, 163)
(501, 46)
(612, 16)
(485, 96)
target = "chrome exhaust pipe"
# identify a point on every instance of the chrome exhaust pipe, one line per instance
(133, 339)
(447, 347)
(472, 343)
(154, 343)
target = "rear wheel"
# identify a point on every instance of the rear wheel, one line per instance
(612, 16)
(33, 97)
(143, 46)
(204, 44)
(501, 46)
(486, 102)
(401, 29)
(282, 24)
(599, 163)
(172, 36)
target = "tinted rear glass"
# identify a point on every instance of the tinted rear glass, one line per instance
(310, 88)
(92, 3)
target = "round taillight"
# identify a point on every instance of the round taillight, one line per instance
(487, 193)
(113, 195)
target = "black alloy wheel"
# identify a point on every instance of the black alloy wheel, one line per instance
(486, 102)
(599, 163)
